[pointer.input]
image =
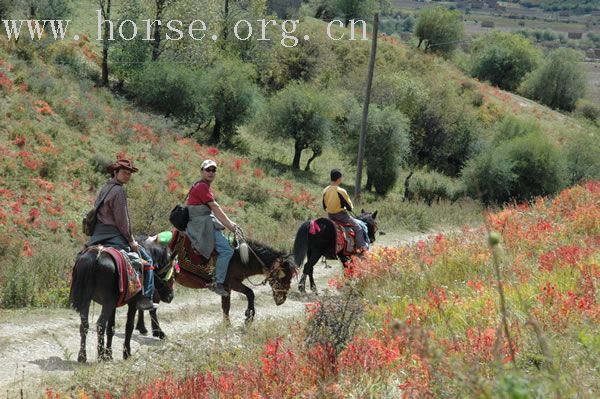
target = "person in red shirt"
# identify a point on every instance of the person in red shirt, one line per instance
(206, 225)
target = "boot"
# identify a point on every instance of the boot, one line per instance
(219, 289)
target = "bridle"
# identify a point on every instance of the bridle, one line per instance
(272, 274)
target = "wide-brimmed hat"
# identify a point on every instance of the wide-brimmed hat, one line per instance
(122, 164)
(207, 164)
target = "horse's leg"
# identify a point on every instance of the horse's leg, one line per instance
(105, 315)
(110, 332)
(313, 258)
(226, 305)
(140, 325)
(250, 311)
(129, 329)
(83, 330)
(156, 331)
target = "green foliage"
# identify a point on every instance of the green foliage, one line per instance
(559, 82)
(53, 9)
(442, 134)
(172, 89)
(503, 59)
(588, 110)
(518, 169)
(345, 9)
(441, 29)
(231, 97)
(5, 8)
(298, 113)
(434, 186)
(510, 127)
(400, 90)
(127, 57)
(582, 152)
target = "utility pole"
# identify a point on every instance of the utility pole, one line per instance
(365, 115)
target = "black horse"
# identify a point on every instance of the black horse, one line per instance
(163, 285)
(277, 267)
(323, 243)
(95, 278)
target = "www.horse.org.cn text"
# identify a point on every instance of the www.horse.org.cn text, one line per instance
(285, 32)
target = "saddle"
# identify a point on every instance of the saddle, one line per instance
(127, 277)
(345, 239)
(195, 271)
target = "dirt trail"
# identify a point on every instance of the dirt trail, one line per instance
(38, 344)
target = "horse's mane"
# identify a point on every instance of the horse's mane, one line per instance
(266, 253)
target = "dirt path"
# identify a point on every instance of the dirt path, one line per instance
(37, 346)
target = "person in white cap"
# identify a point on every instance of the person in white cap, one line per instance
(206, 225)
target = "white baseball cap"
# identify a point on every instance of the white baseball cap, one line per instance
(208, 163)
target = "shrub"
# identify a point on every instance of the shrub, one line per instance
(559, 82)
(434, 186)
(518, 169)
(511, 127)
(503, 59)
(441, 29)
(583, 157)
(588, 110)
(172, 89)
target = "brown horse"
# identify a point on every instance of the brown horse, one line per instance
(277, 267)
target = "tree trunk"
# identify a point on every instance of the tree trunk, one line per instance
(297, 153)
(369, 185)
(408, 195)
(105, 42)
(315, 154)
(420, 41)
(160, 5)
(216, 133)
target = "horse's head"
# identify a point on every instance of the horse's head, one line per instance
(164, 275)
(369, 219)
(280, 277)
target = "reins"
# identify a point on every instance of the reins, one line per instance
(240, 238)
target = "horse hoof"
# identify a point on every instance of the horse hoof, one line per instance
(302, 289)
(82, 358)
(143, 331)
(159, 334)
(126, 354)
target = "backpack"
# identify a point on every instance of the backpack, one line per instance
(88, 224)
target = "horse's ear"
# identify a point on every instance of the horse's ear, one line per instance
(362, 211)
(374, 214)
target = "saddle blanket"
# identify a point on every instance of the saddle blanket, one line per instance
(191, 261)
(129, 281)
(345, 239)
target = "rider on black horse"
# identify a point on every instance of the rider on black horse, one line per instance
(113, 228)
(337, 204)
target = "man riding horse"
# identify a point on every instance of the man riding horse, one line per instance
(113, 227)
(206, 225)
(337, 204)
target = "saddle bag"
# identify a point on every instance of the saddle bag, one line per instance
(179, 217)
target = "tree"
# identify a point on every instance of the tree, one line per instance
(559, 82)
(105, 13)
(298, 112)
(503, 59)
(231, 97)
(440, 29)
(172, 89)
(160, 7)
(5, 8)
(408, 24)
(129, 56)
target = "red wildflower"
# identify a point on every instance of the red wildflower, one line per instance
(212, 151)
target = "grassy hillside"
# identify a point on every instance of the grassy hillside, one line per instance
(58, 130)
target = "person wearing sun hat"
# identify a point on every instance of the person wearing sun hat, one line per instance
(206, 225)
(113, 226)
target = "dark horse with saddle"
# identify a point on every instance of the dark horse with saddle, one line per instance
(332, 240)
(101, 274)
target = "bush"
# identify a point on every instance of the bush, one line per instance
(559, 82)
(588, 110)
(518, 169)
(511, 127)
(583, 157)
(434, 186)
(172, 89)
(503, 59)
(441, 29)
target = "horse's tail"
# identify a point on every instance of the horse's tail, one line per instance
(82, 283)
(301, 243)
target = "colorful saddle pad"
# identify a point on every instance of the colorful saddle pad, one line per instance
(129, 281)
(345, 240)
(190, 260)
